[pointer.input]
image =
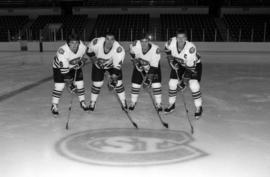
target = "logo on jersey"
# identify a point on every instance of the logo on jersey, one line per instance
(158, 51)
(128, 147)
(95, 41)
(192, 50)
(119, 50)
(61, 51)
(75, 61)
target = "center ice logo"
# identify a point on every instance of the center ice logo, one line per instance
(131, 145)
(128, 147)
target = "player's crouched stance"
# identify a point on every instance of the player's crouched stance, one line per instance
(67, 71)
(186, 70)
(107, 55)
(145, 57)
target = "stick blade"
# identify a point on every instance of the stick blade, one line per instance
(166, 125)
(135, 125)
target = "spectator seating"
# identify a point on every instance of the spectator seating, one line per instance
(10, 26)
(138, 3)
(199, 27)
(69, 23)
(248, 27)
(121, 25)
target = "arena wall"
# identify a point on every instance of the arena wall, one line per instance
(202, 46)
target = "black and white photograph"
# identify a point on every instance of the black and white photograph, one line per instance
(135, 88)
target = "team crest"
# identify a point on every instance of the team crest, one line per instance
(192, 50)
(128, 147)
(158, 51)
(61, 51)
(119, 49)
(95, 41)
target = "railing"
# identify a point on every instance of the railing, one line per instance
(250, 35)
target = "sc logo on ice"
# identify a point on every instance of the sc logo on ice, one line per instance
(128, 147)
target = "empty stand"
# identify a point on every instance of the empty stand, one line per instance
(126, 27)
(248, 27)
(10, 26)
(199, 27)
(68, 23)
(138, 3)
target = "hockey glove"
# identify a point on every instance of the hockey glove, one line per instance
(79, 65)
(181, 86)
(72, 88)
(112, 82)
(174, 64)
(148, 80)
(137, 65)
(190, 74)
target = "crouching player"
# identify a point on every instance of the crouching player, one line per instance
(186, 69)
(67, 71)
(145, 57)
(107, 55)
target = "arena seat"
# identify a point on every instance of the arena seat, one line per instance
(122, 25)
(140, 3)
(10, 26)
(247, 27)
(198, 26)
(68, 23)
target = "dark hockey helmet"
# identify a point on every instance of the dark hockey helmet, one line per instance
(73, 36)
(146, 36)
(181, 31)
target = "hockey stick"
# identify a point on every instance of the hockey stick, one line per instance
(70, 104)
(153, 102)
(185, 105)
(126, 112)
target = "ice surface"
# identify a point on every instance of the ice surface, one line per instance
(234, 130)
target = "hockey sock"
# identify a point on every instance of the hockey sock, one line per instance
(56, 94)
(120, 90)
(135, 90)
(157, 92)
(172, 96)
(94, 93)
(197, 97)
(80, 93)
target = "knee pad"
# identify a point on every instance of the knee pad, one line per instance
(156, 85)
(59, 86)
(119, 82)
(79, 84)
(136, 85)
(98, 84)
(194, 85)
(173, 84)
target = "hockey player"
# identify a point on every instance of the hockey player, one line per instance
(145, 57)
(185, 62)
(66, 65)
(107, 55)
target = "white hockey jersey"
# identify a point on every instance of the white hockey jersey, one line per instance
(188, 55)
(113, 59)
(65, 59)
(152, 56)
